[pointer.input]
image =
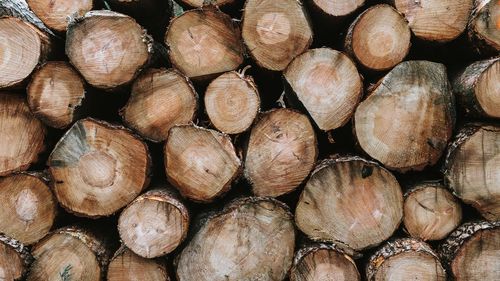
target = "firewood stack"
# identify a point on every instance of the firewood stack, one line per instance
(249, 140)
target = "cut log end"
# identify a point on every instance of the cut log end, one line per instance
(127, 266)
(55, 14)
(281, 152)
(328, 84)
(160, 99)
(472, 168)
(154, 224)
(484, 30)
(98, 168)
(107, 48)
(252, 239)
(338, 8)
(202, 3)
(379, 38)
(232, 102)
(204, 42)
(368, 212)
(200, 163)
(275, 34)
(430, 211)
(55, 93)
(321, 262)
(407, 120)
(405, 259)
(436, 20)
(22, 136)
(14, 258)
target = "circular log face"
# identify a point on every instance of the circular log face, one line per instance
(483, 25)
(98, 168)
(487, 89)
(127, 266)
(11, 263)
(411, 266)
(55, 14)
(352, 201)
(338, 8)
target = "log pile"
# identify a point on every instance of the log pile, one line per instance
(249, 140)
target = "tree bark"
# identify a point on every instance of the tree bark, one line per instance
(327, 84)
(408, 118)
(323, 262)
(108, 49)
(98, 168)
(405, 259)
(56, 94)
(275, 33)
(379, 38)
(28, 208)
(232, 102)
(204, 3)
(55, 13)
(483, 28)
(476, 88)
(154, 224)
(352, 201)
(70, 253)
(472, 251)
(203, 43)
(430, 211)
(281, 152)
(15, 258)
(215, 165)
(436, 20)
(127, 266)
(22, 136)
(251, 239)
(472, 168)
(160, 99)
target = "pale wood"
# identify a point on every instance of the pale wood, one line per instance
(352, 201)
(98, 168)
(327, 84)
(22, 137)
(200, 163)
(337, 8)
(159, 100)
(127, 266)
(408, 117)
(281, 152)
(472, 168)
(483, 28)
(15, 259)
(56, 94)
(275, 31)
(56, 14)
(251, 239)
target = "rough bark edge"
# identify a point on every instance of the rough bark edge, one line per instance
(396, 247)
(479, 43)
(449, 248)
(227, 185)
(122, 249)
(21, 250)
(415, 187)
(305, 250)
(105, 124)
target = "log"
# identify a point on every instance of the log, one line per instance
(323, 262)
(379, 38)
(107, 48)
(476, 89)
(15, 258)
(232, 102)
(204, 3)
(483, 29)
(56, 94)
(22, 136)
(251, 239)
(405, 259)
(127, 266)
(281, 152)
(408, 118)
(27, 207)
(56, 14)
(336, 9)
(154, 224)
(327, 84)
(436, 20)
(275, 32)
(159, 100)
(472, 251)
(70, 253)
(352, 201)
(203, 43)
(200, 163)
(472, 168)
(98, 168)
(25, 42)
(430, 211)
